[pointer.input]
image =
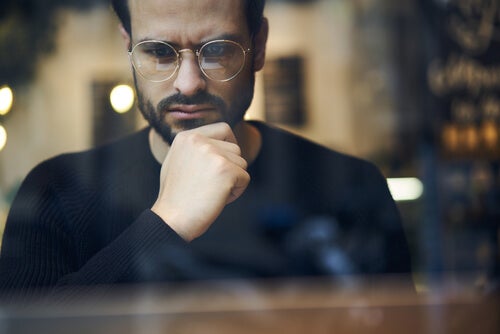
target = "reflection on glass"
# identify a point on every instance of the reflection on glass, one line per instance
(405, 189)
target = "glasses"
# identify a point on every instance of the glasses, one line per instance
(219, 60)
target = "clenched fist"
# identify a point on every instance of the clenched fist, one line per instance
(203, 171)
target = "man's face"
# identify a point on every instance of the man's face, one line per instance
(189, 99)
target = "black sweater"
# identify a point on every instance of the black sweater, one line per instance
(84, 219)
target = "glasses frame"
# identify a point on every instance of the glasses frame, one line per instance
(196, 52)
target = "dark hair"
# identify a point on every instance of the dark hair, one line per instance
(254, 12)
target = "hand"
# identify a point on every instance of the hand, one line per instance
(203, 171)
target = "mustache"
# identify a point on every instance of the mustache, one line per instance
(198, 98)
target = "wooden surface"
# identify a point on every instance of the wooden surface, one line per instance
(381, 305)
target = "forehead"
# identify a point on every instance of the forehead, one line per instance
(187, 21)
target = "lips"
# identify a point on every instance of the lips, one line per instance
(190, 111)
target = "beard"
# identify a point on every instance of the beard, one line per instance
(156, 116)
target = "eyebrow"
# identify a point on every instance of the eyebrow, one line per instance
(226, 36)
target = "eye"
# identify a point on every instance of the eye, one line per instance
(159, 50)
(217, 50)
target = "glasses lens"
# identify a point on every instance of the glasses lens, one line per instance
(155, 61)
(221, 60)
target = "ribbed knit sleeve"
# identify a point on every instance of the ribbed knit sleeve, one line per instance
(42, 252)
(84, 220)
(121, 260)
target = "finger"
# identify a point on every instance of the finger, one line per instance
(229, 151)
(219, 131)
(241, 183)
(224, 146)
(237, 160)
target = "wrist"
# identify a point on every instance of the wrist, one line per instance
(171, 222)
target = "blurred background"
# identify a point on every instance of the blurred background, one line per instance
(412, 85)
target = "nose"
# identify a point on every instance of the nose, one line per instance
(190, 80)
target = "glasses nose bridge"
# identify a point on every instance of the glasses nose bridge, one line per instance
(195, 58)
(195, 53)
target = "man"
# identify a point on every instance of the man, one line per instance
(201, 194)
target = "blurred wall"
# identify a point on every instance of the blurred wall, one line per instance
(53, 114)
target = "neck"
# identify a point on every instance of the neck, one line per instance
(248, 137)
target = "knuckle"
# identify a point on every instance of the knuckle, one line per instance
(181, 137)
(244, 164)
(220, 164)
(206, 148)
(225, 127)
(187, 138)
(237, 149)
(195, 137)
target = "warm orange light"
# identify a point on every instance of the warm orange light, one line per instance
(490, 135)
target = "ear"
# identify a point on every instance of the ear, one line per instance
(260, 41)
(125, 36)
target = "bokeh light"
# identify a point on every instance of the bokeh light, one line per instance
(3, 137)
(122, 98)
(6, 99)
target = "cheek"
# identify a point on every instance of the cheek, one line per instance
(227, 92)
(237, 86)
(153, 91)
